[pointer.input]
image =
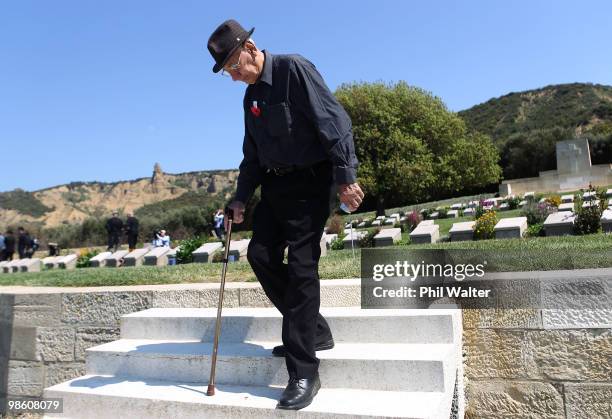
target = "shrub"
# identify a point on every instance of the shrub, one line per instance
(217, 257)
(427, 213)
(535, 230)
(485, 224)
(588, 220)
(513, 202)
(554, 200)
(337, 244)
(412, 220)
(368, 239)
(443, 212)
(536, 213)
(479, 211)
(187, 247)
(84, 258)
(336, 225)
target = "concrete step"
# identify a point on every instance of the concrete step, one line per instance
(107, 397)
(385, 367)
(348, 324)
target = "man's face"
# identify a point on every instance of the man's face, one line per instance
(247, 71)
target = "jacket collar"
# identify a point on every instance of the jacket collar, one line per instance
(266, 72)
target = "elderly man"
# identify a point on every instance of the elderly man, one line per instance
(297, 145)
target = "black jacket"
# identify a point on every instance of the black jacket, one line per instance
(9, 244)
(131, 225)
(23, 242)
(114, 225)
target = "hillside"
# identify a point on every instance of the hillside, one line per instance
(74, 202)
(526, 126)
(580, 107)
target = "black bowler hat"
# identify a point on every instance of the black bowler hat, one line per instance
(225, 40)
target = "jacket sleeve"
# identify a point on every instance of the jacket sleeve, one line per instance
(251, 172)
(328, 116)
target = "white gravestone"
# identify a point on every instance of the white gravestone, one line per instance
(238, 250)
(568, 206)
(68, 262)
(356, 236)
(158, 256)
(559, 223)
(425, 234)
(30, 265)
(135, 257)
(11, 267)
(99, 260)
(204, 253)
(50, 262)
(606, 221)
(463, 231)
(509, 228)
(116, 259)
(388, 237)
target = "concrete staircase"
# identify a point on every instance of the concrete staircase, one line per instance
(386, 363)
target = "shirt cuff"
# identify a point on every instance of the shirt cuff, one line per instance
(345, 175)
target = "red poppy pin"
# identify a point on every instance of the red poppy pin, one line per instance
(255, 110)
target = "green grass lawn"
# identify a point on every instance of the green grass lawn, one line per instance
(539, 253)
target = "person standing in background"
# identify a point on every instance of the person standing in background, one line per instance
(23, 243)
(2, 247)
(131, 229)
(9, 245)
(218, 223)
(114, 226)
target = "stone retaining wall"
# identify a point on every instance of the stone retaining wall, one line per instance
(540, 363)
(529, 363)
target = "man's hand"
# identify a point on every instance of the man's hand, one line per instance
(238, 208)
(351, 195)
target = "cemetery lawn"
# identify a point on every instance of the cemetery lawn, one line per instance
(539, 253)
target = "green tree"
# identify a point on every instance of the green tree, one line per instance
(411, 148)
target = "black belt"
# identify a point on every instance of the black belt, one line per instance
(282, 171)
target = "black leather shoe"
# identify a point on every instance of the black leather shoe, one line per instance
(323, 346)
(299, 393)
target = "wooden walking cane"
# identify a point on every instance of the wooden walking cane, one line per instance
(211, 383)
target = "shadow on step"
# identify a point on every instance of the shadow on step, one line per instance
(199, 388)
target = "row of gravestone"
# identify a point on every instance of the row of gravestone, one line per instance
(156, 256)
(238, 249)
(567, 204)
(556, 224)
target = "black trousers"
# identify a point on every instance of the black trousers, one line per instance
(113, 241)
(292, 213)
(132, 240)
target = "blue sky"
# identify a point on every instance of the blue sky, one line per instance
(101, 91)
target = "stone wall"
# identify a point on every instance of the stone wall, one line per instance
(528, 363)
(542, 363)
